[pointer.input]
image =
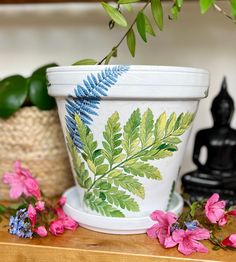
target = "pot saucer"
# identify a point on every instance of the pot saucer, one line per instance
(112, 225)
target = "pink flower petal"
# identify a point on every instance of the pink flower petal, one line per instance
(232, 213)
(152, 231)
(178, 235)
(32, 215)
(214, 209)
(69, 223)
(32, 188)
(199, 233)
(169, 242)
(41, 231)
(60, 213)
(230, 241)
(158, 215)
(56, 227)
(16, 191)
(62, 201)
(40, 206)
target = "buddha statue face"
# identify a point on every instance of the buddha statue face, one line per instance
(222, 107)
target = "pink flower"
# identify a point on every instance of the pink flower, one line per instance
(41, 231)
(162, 229)
(56, 227)
(62, 201)
(40, 206)
(32, 215)
(70, 223)
(214, 210)
(230, 241)
(232, 213)
(21, 182)
(187, 240)
(67, 221)
(60, 213)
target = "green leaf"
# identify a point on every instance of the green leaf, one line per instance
(102, 169)
(160, 125)
(179, 3)
(120, 199)
(13, 93)
(113, 53)
(157, 12)
(131, 42)
(2, 209)
(141, 26)
(163, 154)
(170, 124)
(146, 129)
(86, 137)
(193, 208)
(119, 158)
(205, 5)
(175, 12)
(101, 206)
(148, 26)
(143, 170)
(127, 1)
(187, 119)
(112, 135)
(88, 61)
(82, 175)
(127, 182)
(128, 7)
(38, 93)
(115, 15)
(103, 185)
(233, 7)
(131, 133)
(172, 140)
(91, 166)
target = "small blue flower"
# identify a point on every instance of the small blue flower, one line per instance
(191, 225)
(19, 225)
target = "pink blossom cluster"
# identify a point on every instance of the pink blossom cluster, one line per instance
(57, 226)
(170, 234)
(187, 240)
(23, 184)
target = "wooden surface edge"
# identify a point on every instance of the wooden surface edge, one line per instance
(11, 252)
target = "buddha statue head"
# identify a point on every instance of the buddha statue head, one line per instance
(222, 108)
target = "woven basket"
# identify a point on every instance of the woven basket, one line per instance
(35, 138)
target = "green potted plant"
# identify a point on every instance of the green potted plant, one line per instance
(126, 127)
(30, 131)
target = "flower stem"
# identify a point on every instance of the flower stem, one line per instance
(124, 36)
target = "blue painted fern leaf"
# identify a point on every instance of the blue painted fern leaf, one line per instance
(86, 99)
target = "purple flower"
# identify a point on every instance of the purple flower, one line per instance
(191, 225)
(19, 225)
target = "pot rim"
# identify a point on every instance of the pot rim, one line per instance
(134, 82)
(135, 68)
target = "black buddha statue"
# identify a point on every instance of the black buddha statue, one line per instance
(218, 173)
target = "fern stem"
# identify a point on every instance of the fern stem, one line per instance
(123, 162)
(124, 36)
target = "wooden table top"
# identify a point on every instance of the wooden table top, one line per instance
(84, 245)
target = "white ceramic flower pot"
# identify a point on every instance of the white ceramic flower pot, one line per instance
(126, 128)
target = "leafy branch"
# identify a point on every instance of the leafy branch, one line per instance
(143, 24)
(124, 157)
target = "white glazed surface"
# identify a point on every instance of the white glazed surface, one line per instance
(162, 89)
(111, 225)
(150, 82)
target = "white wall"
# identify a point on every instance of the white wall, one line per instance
(33, 35)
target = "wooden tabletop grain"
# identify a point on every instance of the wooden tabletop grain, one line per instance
(88, 246)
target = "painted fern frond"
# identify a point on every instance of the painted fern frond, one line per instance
(86, 99)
